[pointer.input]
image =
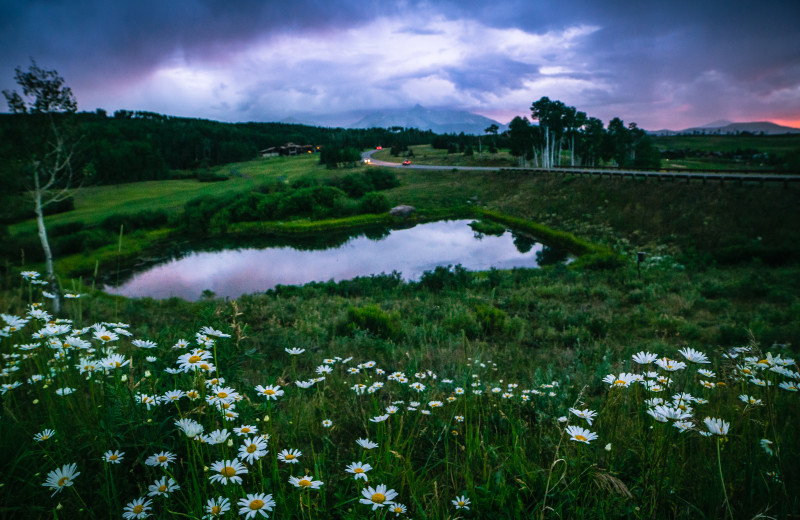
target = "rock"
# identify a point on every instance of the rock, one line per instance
(402, 211)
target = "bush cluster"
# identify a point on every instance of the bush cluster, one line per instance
(352, 194)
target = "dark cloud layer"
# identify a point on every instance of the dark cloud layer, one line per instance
(672, 63)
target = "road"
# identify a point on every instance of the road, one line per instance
(660, 175)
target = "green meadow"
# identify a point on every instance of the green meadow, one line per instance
(604, 388)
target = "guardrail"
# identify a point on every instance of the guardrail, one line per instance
(688, 176)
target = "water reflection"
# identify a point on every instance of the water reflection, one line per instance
(233, 272)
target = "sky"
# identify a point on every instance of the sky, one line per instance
(667, 64)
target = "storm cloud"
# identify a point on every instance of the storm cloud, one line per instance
(671, 64)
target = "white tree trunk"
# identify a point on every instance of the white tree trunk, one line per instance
(48, 253)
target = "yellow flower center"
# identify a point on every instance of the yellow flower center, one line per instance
(227, 472)
(252, 448)
(763, 362)
(225, 406)
(580, 438)
(289, 457)
(204, 366)
(269, 391)
(222, 395)
(619, 382)
(378, 498)
(62, 481)
(138, 509)
(162, 458)
(162, 488)
(105, 337)
(216, 510)
(194, 359)
(116, 364)
(358, 470)
(304, 482)
(256, 504)
(462, 503)
(113, 457)
(245, 430)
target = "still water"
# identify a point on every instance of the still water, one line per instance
(233, 272)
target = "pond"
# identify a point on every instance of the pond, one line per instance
(232, 272)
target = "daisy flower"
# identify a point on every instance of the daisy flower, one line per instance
(290, 456)
(327, 423)
(113, 457)
(247, 429)
(216, 507)
(217, 437)
(378, 496)
(294, 351)
(576, 433)
(253, 449)
(397, 509)
(461, 502)
(589, 415)
(105, 336)
(366, 444)
(44, 435)
(172, 396)
(141, 343)
(208, 331)
(379, 418)
(644, 358)
(114, 361)
(717, 426)
(62, 477)
(269, 391)
(671, 365)
(706, 373)
(623, 380)
(190, 427)
(139, 508)
(162, 487)
(305, 482)
(359, 470)
(226, 471)
(160, 459)
(193, 360)
(256, 504)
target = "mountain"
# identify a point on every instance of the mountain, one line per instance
(726, 127)
(439, 120)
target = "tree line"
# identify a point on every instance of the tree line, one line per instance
(563, 130)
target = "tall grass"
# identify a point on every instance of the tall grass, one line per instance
(492, 423)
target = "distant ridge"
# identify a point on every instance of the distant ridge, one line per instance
(727, 128)
(440, 121)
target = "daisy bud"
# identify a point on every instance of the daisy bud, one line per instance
(147, 373)
(608, 447)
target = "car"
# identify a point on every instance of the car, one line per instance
(367, 161)
(379, 147)
(407, 162)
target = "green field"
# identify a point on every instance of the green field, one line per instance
(493, 374)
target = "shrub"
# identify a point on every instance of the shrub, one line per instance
(491, 319)
(372, 319)
(442, 277)
(374, 202)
